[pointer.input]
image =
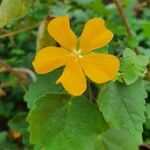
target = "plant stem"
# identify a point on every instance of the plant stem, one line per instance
(123, 17)
(18, 31)
(20, 73)
(124, 20)
(6, 68)
(90, 91)
(28, 71)
(7, 84)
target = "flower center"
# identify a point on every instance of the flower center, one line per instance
(77, 53)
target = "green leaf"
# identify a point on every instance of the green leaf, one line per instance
(6, 143)
(19, 123)
(123, 107)
(117, 30)
(98, 7)
(81, 2)
(146, 85)
(147, 124)
(148, 111)
(44, 84)
(62, 10)
(44, 39)
(128, 9)
(58, 122)
(11, 10)
(115, 139)
(3, 136)
(133, 42)
(102, 50)
(146, 31)
(133, 66)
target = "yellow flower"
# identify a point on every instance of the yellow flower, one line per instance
(77, 56)
(15, 134)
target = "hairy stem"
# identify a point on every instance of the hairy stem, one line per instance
(124, 20)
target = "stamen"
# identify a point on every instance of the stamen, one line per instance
(77, 53)
(80, 56)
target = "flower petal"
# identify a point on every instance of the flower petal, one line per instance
(95, 35)
(73, 78)
(60, 30)
(50, 58)
(100, 68)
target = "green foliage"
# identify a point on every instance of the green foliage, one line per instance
(5, 143)
(133, 66)
(13, 10)
(18, 123)
(123, 107)
(115, 139)
(98, 7)
(44, 84)
(66, 126)
(146, 27)
(148, 111)
(6, 108)
(44, 39)
(133, 42)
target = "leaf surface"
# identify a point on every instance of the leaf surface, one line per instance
(44, 84)
(123, 107)
(12, 10)
(60, 123)
(133, 66)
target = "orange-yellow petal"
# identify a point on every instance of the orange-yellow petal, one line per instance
(59, 29)
(15, 134)
(50, 58)
(100, 68)
(73, 78)
(95, 35)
